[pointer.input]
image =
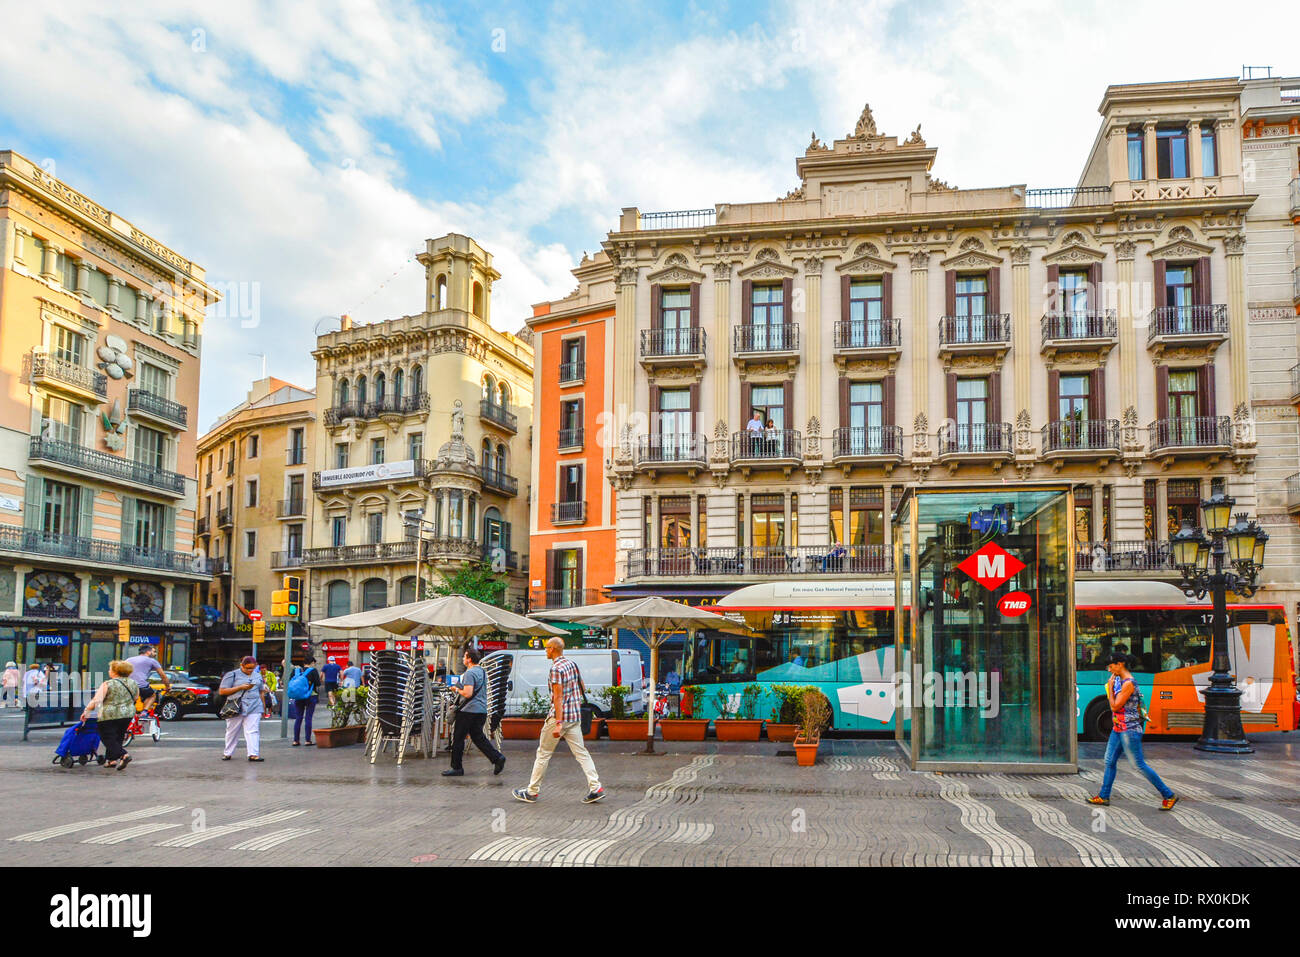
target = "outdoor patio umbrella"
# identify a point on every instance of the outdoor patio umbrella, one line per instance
(456, 616)
(655, 619)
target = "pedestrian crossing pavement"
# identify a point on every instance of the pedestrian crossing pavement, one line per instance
(144, 824)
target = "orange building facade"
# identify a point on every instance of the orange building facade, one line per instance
(572, 532)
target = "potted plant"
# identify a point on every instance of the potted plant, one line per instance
(621, 725)
(784, 724)
(528, 725)
(814, 717)
(681, 726)
(742, 724)
(347, 720)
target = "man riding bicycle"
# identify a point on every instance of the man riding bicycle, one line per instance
(142, 666)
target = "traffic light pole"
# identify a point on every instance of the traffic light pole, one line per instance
(284, 681)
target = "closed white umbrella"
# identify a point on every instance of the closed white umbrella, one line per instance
(655, 619)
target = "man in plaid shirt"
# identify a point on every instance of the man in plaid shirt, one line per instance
(564, 721)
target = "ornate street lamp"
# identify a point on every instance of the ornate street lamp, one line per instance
(1238, 553)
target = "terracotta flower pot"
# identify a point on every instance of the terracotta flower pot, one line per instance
(782, 732)
(338, 737)
(805, 752)
(626, 729)
(683, 729)
(738, 729)
(522, 729)
(595, 729)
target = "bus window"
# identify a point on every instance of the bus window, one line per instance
(1185, 637)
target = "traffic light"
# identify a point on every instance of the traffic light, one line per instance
(259, 631)
(286, 602)
(279, 604)
(124, 630)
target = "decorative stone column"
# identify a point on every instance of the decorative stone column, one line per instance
(695, 519)
(921, 453)
(141, 309)
(21, 247)
(1162, 510)
(812, 284)
(656, 523)
(114, 294)
(49, 264)
(720, 354)
(83, 278)
(625, 343)
(789, 524)
(1235, 247)
(1149, 149)
(1195, 168)
(1128, 299)
(1021, 328)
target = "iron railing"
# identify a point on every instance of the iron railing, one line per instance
(1060, 198)
(656, 343)
(1295, 382)
(291, 507)
(671, 448)
(975, 438)
(975, 330)
(202, 526)
(782, 337)
(868, 334)
(498, 414)
(289, 558)
(570, 438)
(1293, 491)
(540, 599)
(230, 469)
(1082, 435)
(573, 371)
(1136, 556)
(768, 444)
(884, 440)
(565, 513)
(225, 517)
(499, 481)
(46, 366)
(404, 550)
(1080, 325)
(109, 466)
(1191, 432)
(142, 400)
(388, 405)
(1211, 320)
(830, 559)
(58, 545)
(677, 219)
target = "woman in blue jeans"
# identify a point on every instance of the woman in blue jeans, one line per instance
(304, 708)
(1126, 734)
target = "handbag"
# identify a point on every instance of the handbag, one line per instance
(234, 704)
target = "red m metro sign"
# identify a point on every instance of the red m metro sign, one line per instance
(991, 565)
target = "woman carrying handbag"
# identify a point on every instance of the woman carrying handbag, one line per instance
(244, 693)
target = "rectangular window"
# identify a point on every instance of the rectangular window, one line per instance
(1179, 291)
(1209, 151)
(1073, 399)
(675, 321)
(69, 346)
(571, 352)
(61, 420)
(767, 317)
(149, 518)
(866, 524)
(250, 544)
(375, 527)
(248, 597)
(252, 493)
(571, 483)
(1074, 294)
(340, 455)
(866, 309)
(1183, 394)
(568, 564)
(972, 415)
(971, 302)
(150, 447)
(295, 494)
(253, 445)
(338, 531)
(67, 267)
(297, 446)
(866, 418)
(154, 380)
(1171, 153)
(1183, 498)
(60, 508)
(1136, 155)
(571, 414)
(376, 451)
(415, 446)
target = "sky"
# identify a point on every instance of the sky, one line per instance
(302, 152)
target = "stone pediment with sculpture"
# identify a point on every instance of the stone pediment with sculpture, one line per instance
(1181, 244)
(866, 259)
(1074, 248)
(676, 269)
(768, 265)
(971, 254)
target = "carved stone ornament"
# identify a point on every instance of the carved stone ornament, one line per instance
(1024, 431)
(1179, 233)
(1235, 244)
(722, 270)
(866, 249)
(921, 433)
(920, 260)
(720, 431)
(971, 242)
(814, 143)
(915, 139)
(1125, 249)
(627, 276)
(866, 126)
(676, 259)
(939, 186)
(1243, 427)
(812, 266)
(1020, 256)
(814, 429)
(796, 193)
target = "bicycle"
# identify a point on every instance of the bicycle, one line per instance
(136, 727)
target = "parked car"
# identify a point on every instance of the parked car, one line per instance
(600, 668)
(186, 696)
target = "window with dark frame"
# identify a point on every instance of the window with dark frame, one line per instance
(1171, 153)
(1136, 154)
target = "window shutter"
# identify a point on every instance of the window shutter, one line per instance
(846, 283)
(1162, 392)
(1053, 395)
(656, 306)
(950, 292)
(844, 401)
(1205, 379)
(747, 302)
(889, 390)
(169, 530)
(887, 295)
(695, 305)
(1097, 395)
(995, 291)
(128, 520)
(1201, 277)
(552, 569)
(582, 352)
(952, 396)
(579, 581)
(746, 404)
(86, 522)
(33, 491)
(995, 398)
(1094, 287)
(695, 408)
(787, 300)
(1159, 281)
(788, 402)
(655, 417)
(1054, 304)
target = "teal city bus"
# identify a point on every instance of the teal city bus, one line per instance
(839, 636)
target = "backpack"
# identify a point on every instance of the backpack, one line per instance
(299, 687)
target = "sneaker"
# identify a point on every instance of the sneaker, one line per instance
(453, 773)
(521, 794)
(1168, 803)
(594, 796)
(500, 765)
(1099, 801)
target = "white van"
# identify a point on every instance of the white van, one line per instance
(600, 668)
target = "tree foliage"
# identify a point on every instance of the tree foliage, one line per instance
(475, 580)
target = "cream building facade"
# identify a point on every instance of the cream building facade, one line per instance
(887, 329)
(425, 417)
(100, 341)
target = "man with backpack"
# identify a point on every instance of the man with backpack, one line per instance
(302, 691)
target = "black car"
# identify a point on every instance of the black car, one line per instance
(186, 696)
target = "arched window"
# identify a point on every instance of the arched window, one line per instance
(338, 600)
(399, 380)
(361, 390)
(489, 388)
(417, 379)
(493, 529)
(406, 590)
(487, 453)
(503, 399)
(440, 292)
(381, 386)
(374, 594)
(345, 391)
(501, 459)
(478, 299)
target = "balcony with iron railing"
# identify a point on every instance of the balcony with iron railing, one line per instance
(868, 442)
(1196, 433)
(569, 438)
(568, 513)
(767, 445)
(542, 599)
(405, 550)
(74, 548)
(203, 526)
(52, 371)
(1081, 438)
(766, 339)
(975, 440)
(498, 415)
(1067, 197)
(102, 465)
(412, 404)
(288, 558)
(1079, 330)
(1294, 204)
(868, 335)
(760, 560)
(1293, 493)
(573, 371)
(1125, 558)
(160, 409)
(225, 517)
(975, 334)
(293, 507)
(499, 481)
(684, 343)
(1187, 324)
(1295, 384)
(682, 449)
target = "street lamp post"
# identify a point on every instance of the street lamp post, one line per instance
(1229, 559)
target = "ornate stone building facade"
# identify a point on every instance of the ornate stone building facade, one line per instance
(426, 417)
(785, 367)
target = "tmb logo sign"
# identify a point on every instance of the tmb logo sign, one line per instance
(991, 565)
